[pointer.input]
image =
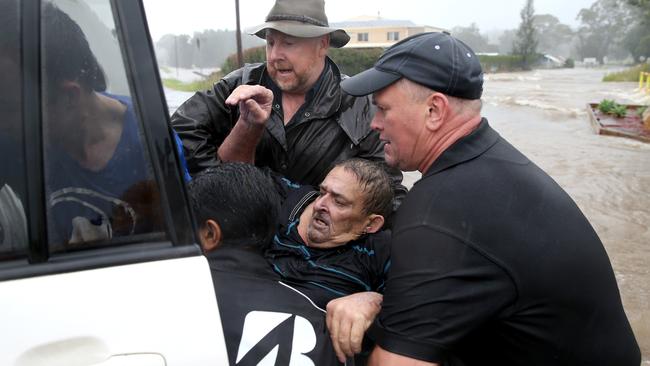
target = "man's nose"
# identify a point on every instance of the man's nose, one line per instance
(374, 124)
(320, 203)
(273, 53)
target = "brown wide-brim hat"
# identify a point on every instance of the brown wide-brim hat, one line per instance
(303, 19)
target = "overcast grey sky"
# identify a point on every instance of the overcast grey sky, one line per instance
(188, 16)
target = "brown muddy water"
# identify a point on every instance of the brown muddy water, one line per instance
(543, 113)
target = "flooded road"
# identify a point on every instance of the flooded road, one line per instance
(543, 113)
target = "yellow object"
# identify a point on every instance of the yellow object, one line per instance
(644, 78)
(641, 80)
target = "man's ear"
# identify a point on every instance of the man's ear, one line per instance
(210, 235)
(71, 91)
(324, 45)
(375, 223)
(437, 110)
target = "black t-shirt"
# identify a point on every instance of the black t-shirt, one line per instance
(325, 274)
(493, 263)
(264, 320)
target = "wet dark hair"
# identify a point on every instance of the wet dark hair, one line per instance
(66, 53)
(241, 198)
(375, 182)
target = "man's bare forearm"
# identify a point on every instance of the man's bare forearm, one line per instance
(254, 102)
(241, 143)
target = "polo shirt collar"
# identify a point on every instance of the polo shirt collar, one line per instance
(466, 148)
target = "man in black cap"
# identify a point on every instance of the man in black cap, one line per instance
(492, 262)
(300, 129)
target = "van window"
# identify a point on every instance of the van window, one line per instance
(99, 183)
(13, 224)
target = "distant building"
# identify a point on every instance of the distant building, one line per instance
(374, 31)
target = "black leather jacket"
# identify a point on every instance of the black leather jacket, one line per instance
(330, 127)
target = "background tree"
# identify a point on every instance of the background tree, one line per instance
(637, 39)
(506, 41)
(525, 44)
(207, 49)
(603, 27)
(472, 37)
(553, 37)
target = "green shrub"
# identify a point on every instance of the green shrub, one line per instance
(631, 74)
(619, 111)
(352, 61)
(606, 105)
(501, 63)
(609, 106)
(251, 56)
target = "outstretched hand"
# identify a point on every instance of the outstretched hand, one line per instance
(348, 318)
(255, 102)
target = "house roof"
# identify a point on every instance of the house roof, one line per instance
(374, 23)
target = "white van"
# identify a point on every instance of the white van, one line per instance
(126, 286)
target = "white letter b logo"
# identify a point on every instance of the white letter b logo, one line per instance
(262, 327)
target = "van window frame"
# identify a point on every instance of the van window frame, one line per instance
(151, 107)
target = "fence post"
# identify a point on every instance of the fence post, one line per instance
(641, 74)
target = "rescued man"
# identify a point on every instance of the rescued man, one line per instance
(328, 243)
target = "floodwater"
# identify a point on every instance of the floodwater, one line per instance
(543, 113)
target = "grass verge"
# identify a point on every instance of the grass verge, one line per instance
(631, 74)
(193, 86)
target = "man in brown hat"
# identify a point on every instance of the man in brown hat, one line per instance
(288, 113)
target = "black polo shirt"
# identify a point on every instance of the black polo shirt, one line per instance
(493, 263)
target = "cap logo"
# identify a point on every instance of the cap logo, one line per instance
(437, 47)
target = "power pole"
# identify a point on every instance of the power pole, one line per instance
(240, 55)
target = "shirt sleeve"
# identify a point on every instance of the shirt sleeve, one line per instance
(202, 122)
(439, 290)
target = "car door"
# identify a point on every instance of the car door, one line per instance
(98, 264)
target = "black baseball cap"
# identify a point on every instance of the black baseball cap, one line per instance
(435, 59)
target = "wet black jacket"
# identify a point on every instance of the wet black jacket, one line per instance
(330, 127)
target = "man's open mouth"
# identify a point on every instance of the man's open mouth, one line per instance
(319, 222)
(284, 71)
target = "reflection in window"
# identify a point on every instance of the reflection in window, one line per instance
(99, 184)
(13, 224)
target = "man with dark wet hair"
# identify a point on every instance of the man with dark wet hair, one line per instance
(234, 204)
